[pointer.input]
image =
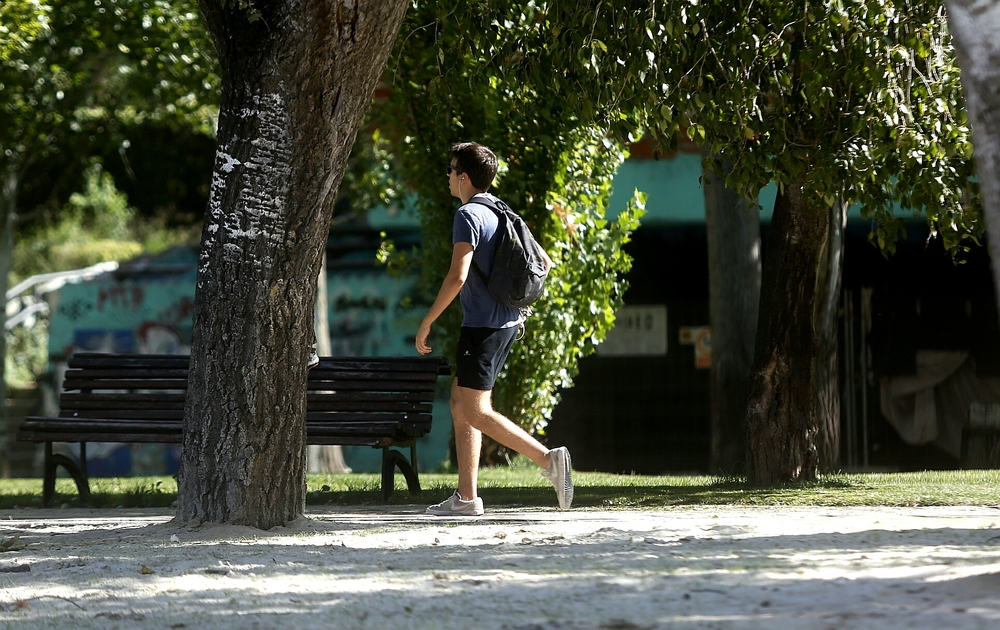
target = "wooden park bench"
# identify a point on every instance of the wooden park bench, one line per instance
(372, 401)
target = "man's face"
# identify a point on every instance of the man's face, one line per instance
(454, 179)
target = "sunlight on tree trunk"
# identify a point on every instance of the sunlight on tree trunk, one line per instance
(974, 25)
(296, 84)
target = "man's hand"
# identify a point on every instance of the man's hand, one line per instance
(422, 333)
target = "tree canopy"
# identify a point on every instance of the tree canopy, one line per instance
(78, 67)
(862, 98)
(838, 101)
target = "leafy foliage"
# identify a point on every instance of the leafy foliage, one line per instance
(96, 226)
(860, 99)
(82, 66)
(21, 23)
(556, 172)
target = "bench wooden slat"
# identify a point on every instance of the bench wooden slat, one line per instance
(70, 384)
(355, 416)
(158, 399)
(100, 360)
(173, 384)
(89, 399)
(109, 437)
(104, 430)
(381, 364)
(316, 374)
(315, 396)
(360, 439)
(373, 386)
(378, 405)
(353, 440)
(139, 415)
(146, 417)
(83, 425)
(143, 373)
(175, 408)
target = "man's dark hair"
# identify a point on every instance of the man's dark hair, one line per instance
(476, 161)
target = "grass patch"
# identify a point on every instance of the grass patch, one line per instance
(521, 486)
(105, 492)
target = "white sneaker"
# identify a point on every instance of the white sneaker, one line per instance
(560, 473)
(455, 505)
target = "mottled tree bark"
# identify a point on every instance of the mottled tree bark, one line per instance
(782, 419)
(296, 84)
(733, 227)
(974, 25)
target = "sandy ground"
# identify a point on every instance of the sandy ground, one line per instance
(775, 568)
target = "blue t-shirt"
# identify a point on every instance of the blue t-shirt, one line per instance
(477, 225)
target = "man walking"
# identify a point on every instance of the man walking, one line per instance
(488, 332)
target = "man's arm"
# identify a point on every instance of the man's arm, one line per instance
(451, 286)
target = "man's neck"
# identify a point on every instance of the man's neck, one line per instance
(467, 196)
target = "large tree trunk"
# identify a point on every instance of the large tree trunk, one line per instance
(733, 226)
(825, 326)
(295, 85)
(974, 25)
(782, 419)
(8, 218)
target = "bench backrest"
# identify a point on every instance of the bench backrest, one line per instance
(345, 396)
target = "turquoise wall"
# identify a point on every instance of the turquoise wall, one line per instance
(674, 190)
(675, 193)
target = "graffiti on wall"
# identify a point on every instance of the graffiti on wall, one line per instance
(151, 313)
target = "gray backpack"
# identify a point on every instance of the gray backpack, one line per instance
(519, 268)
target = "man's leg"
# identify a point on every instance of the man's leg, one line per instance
(556, 464)
(477, 409)
(468, 445)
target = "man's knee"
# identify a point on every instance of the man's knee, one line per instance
(460, 404)
(475, 405)
(457, 410)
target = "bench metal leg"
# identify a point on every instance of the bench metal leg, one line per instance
(392, 459)
(79, 476)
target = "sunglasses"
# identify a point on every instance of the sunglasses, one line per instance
(453, 168)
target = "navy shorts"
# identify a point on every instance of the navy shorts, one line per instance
(481, 354)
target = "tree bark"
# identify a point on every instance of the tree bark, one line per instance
(295, 85)
(827, 375)
(974, 25)
(782, 423)
(733, 227)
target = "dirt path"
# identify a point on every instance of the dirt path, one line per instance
(814, 568)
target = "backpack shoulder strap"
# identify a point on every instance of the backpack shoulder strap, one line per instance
(498, 207)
